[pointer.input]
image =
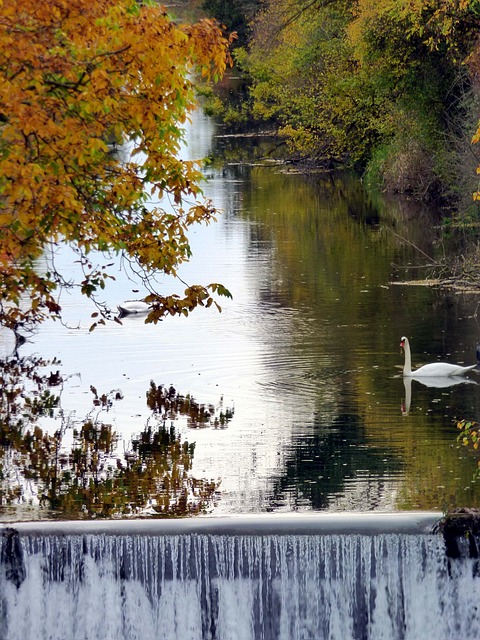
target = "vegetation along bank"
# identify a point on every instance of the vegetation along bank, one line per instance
(389, 87)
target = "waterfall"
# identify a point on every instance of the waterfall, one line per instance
(208, 586)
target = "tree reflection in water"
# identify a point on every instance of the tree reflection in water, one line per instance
(75, 470)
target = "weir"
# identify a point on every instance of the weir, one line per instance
(325, 576)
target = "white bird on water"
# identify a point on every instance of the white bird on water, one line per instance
(433, 370)
(133, 307)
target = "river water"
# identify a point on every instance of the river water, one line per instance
(304, 360)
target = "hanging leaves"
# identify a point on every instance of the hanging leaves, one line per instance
(76, 77)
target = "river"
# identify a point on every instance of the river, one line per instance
(303, 365)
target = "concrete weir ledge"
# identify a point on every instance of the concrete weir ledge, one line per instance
(344, 523)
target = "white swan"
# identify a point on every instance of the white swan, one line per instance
(133, 307)
(433, 370)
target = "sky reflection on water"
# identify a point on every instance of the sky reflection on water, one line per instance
(306, 354)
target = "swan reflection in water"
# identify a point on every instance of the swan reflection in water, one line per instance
(439, 382)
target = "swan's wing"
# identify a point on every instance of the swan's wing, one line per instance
(441, 370)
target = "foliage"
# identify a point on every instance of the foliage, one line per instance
(77, 79)
(295, 60)
(470, 437)
(369, 82)
(448, 25)
(422, 47)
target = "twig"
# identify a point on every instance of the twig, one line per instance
(433, 262)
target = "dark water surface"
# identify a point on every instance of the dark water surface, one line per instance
(305, 357)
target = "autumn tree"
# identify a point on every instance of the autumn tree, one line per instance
(424, 53)
(77, 76)
(381, 85)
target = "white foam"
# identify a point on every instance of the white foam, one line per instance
(263, 587)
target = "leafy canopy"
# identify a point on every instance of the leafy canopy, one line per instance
(381, 84)
(448, 29)
(75, 77)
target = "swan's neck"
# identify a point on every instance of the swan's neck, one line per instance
(407, 369)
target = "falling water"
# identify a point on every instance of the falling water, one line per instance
(207, 586)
